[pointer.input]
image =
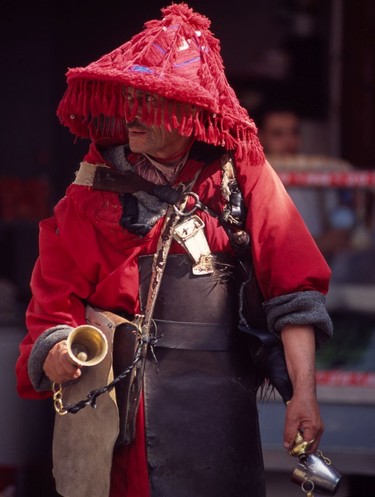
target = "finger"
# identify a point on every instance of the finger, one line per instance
(67, 376)
(291, 426)
(313, 436)
(68, 369)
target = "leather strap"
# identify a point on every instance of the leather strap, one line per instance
(101, 177)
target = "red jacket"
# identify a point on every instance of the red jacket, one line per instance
(86, 257)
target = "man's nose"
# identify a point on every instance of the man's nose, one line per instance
(139, 111)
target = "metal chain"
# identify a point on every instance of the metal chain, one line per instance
(57, 399)
(326, 459)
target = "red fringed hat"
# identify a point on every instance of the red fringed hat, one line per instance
(177, 61)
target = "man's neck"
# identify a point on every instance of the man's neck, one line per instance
(172, 160)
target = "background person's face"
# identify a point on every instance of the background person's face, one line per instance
(280, 133)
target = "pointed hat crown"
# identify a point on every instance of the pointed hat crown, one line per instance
(177, 59)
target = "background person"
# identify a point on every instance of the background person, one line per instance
(329, 213)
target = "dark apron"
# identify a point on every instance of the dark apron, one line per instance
(202, 431)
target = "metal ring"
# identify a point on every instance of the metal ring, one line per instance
(310, 483)
(191, 211)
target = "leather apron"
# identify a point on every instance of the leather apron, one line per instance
(202, 434)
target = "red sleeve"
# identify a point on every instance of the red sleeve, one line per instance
(84, 258)
(63, 277)
(58, 287)
(286, 258)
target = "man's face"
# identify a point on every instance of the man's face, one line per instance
(280, 133)
(153, 140)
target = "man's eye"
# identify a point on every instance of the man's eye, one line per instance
(152, 99)
(149, 99)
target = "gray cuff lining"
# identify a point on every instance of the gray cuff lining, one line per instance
(39, 353)
(300, 309)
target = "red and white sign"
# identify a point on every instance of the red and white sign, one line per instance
(338, 378)
(339, 179)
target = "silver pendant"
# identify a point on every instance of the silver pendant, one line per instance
(190, 234)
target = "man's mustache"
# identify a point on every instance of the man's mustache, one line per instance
(136, 125)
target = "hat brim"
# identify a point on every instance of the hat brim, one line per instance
(152, 81)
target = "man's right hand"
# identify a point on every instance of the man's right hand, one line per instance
(58, 366)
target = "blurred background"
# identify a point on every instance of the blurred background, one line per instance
(305, 70)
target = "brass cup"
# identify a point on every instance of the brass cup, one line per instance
(87, 345)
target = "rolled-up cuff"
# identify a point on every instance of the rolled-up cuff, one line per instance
(39, 353)
(300, 309)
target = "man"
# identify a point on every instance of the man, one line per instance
(160, 107)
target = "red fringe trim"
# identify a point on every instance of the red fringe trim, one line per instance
(100, 109)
